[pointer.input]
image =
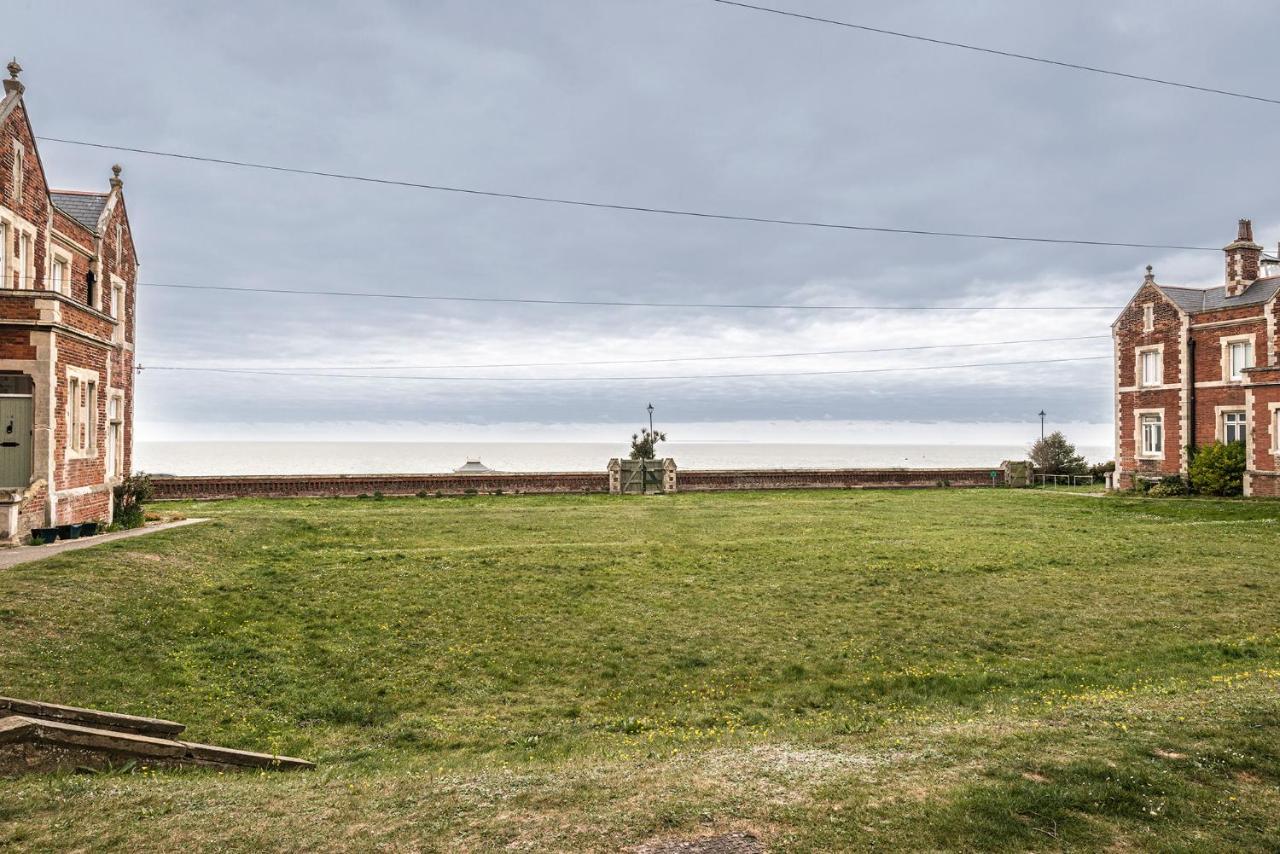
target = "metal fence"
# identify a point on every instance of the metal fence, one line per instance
(1068, 479)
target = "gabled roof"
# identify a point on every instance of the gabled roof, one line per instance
(84, 208)
(1196, 300)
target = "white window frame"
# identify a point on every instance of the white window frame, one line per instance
(83, 389)
(59, 258)
(1141, 418)
(1229, 345)
(1148, 317)
(74, 427)
(1141, 360)
(1231, 416)
(115, 435)
(25, 259)
(1273, 409)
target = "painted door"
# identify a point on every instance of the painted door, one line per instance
(15, 441)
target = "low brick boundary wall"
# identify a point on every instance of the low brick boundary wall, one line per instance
(324, 486)
(688, 480)
(731, 479)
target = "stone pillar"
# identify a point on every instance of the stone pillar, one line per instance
(668, 475)
(615, 476)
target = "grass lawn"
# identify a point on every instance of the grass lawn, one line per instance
(829, 670)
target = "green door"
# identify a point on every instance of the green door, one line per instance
(15, 442)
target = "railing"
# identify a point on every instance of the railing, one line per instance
(1070, 479)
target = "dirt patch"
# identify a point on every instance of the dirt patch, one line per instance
(725, 843)
(1169, 754)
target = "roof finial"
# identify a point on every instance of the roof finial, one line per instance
(12, 84)
(116, 169)
(1150, 278)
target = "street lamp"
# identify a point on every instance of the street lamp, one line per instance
(1041, 423)
(651, 419)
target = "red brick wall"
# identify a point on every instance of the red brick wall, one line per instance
(709, 481)
(1130, 333)
(291, 486)
(78, 472)
(34, 206)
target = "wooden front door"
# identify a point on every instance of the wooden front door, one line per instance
(15, 441)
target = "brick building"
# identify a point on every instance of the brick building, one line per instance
(1198, 365)
(66, 337)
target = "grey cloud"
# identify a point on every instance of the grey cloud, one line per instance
(680, 103)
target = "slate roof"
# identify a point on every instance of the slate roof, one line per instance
(1195, 300)
(84, 208)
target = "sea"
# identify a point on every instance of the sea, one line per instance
(387, 457)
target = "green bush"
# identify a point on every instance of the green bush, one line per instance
(1168, 487)
(1218, 469)
(1101, 470)
(129, 497)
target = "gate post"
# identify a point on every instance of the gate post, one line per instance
(668, 475)
(615, 476)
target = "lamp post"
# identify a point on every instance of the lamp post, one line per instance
(1041, 423)
(651, 419)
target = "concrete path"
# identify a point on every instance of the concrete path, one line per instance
(27, 554)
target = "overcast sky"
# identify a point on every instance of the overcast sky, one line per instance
(670, 103)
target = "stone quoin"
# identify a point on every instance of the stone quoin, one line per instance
(1199, 365)
(68, 272)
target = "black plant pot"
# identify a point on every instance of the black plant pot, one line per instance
(44, 536)
(88, 529)
(69, 532)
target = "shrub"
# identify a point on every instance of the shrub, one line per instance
(1055, 455)
(1218, 469)
(129, 497)
(1101, 470)
(1168, 487)
(377, 495)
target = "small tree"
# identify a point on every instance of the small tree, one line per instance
(1055, 455)
(133, 492)
(1218, 469)
(642, 443)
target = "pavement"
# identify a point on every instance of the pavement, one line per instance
(26, 554)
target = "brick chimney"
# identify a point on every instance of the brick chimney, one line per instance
(12, 85)
(1243, 257)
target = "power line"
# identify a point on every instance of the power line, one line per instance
(676, 358)
(583, 203)
(628, 303)
(1074, 66)
(318, 375)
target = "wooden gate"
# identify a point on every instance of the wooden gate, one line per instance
(15, 440)
(641, 477)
